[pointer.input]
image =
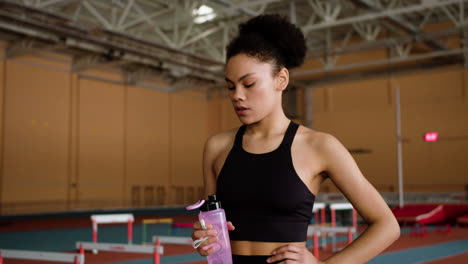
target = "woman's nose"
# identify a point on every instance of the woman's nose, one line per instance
(238, 95)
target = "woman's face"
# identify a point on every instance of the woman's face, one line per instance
(253, 90)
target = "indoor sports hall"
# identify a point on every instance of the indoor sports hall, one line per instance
(106, 107)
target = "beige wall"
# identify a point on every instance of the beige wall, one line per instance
(362, 115)
(75, 142)
(101, 174)
(36, 131)
(147, 141)
(71, 141)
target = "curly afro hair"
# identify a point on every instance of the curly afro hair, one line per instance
(270, 38)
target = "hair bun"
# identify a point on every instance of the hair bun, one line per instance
(286, 37)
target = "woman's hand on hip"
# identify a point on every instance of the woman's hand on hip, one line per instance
(291, 254)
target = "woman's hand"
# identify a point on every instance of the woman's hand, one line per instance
(290, 254)
(206, 248)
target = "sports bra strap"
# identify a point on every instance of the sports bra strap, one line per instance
(290, 133)
(287, 139)
(239, 135)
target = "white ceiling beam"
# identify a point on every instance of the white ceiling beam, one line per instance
(250, 4)
(155, 27)
(326, 10)
(386, 13)
(123, 17)
(29, 46)
(238, 8)
(188, 30)
(202, 35)
(97, 15)
(292, 12)
(45, 4)
(382, 62)
(402, 22)
(175, 25)
(141, 19)
(462, 11)
(450, 15)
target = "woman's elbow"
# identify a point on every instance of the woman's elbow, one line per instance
(394, 229)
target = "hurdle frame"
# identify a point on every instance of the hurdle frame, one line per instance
(112, 219)
(157, 250)
(342, 206)
(173, 240)
(331, 231)
(146, 222)
(319, 213)
(76, 258)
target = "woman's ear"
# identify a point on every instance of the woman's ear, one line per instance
(282, 79)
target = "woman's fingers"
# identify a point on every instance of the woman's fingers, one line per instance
(197, 225)
(286, 248)
(230, 226)
(284, 256)
(197, 234)
(209, 242)
(289, 254)
(208, 249)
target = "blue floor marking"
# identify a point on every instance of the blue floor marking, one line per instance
(180, 258)
(423, 254)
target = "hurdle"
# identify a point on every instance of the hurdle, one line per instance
(156, 249)
(342, 206)
(183, 225)
(173, 240)
(315, 234)
(330, 231)
(319, 213)
(42, 256)
(146, 222)
(113, 219)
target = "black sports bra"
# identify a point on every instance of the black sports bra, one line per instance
(262, 194)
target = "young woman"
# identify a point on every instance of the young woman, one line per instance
(267, 172)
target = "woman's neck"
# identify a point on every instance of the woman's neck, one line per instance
(275, 123)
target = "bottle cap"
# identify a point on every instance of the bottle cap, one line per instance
(211, 204)
(195, 205)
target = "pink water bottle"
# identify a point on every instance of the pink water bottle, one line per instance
(212, 213)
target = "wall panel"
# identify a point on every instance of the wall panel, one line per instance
(363, 95)
(434, 86)
(101, 144)
(431, 101)
(188, 122)
(36, 134)
(147, 141)
(368, 130)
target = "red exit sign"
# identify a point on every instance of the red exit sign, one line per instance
(431, 136)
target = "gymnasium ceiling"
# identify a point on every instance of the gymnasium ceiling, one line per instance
(185, 40)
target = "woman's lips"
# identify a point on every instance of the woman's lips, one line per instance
(242, 110)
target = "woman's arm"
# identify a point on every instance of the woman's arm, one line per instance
(209, 156)
(209, 179)
(212, 148)
(383, 228)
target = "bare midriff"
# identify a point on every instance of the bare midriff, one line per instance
(252, 248)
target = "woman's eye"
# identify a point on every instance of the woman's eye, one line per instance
(249, 85)
(230, 87)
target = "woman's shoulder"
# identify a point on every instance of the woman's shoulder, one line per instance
(315, 139)
(221, 140)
